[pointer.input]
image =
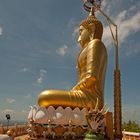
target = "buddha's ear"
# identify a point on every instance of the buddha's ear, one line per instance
(92, 29)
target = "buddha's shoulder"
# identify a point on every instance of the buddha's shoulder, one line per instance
(96, 43)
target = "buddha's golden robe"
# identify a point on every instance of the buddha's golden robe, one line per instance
(92, 62)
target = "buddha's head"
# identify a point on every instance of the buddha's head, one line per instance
(90, 28)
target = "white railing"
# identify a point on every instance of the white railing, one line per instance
(131, 135)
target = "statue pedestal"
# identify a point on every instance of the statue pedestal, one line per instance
(68, 123)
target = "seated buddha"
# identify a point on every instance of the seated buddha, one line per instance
(92, 61)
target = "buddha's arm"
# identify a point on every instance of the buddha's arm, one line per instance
(95, 56)
(85, 84)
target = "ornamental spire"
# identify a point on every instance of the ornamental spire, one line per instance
(92, 12)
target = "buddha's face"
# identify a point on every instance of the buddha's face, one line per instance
(84, 36)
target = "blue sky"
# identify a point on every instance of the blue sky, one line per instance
(38, 51)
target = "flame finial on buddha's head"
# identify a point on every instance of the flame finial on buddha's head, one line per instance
(91, 19)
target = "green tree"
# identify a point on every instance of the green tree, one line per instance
(131, 126)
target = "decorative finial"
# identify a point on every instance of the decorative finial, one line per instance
(92, 11)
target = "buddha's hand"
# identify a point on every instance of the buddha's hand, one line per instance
(85, 84)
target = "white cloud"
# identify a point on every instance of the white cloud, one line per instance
(8, 111)
(42, 73)
(25, 111)
(1, 31)
(75, 32)
(104, 3)
(106, 6)
(132, 8)
(27, 96)
(10, 100)
(24, 69)
(72, 22)
(40, 80)
(132, 49)
(63, 50)
(127, 25)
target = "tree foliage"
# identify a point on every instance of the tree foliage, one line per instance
(131, 126)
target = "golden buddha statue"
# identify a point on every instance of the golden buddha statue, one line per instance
(92, 62)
